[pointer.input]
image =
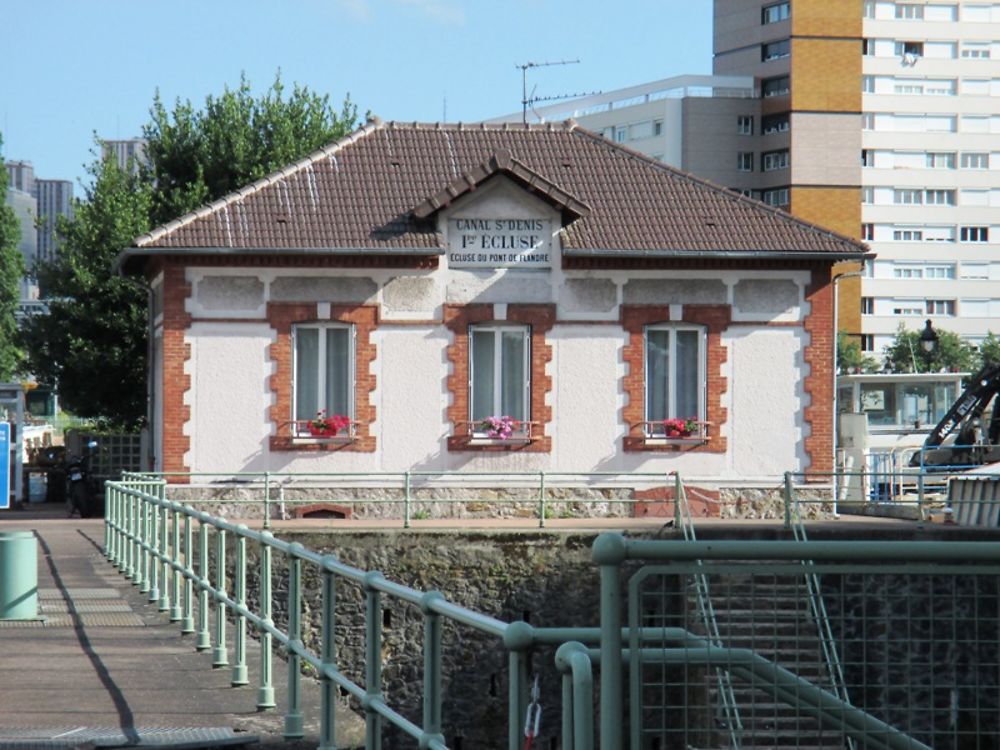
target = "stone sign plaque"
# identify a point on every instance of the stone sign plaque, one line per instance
(499, 243)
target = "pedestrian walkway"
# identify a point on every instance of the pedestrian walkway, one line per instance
(104, 668)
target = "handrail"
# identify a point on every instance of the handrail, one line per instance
(706, 611)
(817, 607)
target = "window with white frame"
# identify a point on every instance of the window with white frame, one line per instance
(675, 372)
(908, 307)
(867, 305)
(868, 84)
(908, 235)
(324, 370)
(867, 194)
(778, 197)
(975, 234)
(868, 121)
(939, 197)
(940, 307)
(907, 272)
(744, 161)
(939, 234)
(940, 271)
(907, 196)
(868, 47)
(910, 49)
(976, 50)
(909, 11)
(868, 232)
(774, 13)
(499, 373)
(744, 124)
(975, 160)
(657, 127)
(867, 157)
(867, 342)
(621, 133)
(940, 160)
(774, 160)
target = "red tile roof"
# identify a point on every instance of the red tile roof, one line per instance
(377, 190)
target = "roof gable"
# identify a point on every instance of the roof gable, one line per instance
(374, 191)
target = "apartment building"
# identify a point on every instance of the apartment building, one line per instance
(128, 152)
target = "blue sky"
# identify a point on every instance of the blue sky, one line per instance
(73, 67)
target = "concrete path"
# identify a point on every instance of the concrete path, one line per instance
(103, 657)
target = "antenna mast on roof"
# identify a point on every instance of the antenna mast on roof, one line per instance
(526, 100)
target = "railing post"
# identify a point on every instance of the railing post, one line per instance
(328, 691)
(373, 660)
(175, 563)
(204, 640)
(111, 526)
(541, 499)
(164, 603)
(788, 500)
(293, 716)
(265, 693)
(678, 488)
(219, 656)
(187, 619)
(609, 551)
(142, 566)
(267, 499)
(132, 545)
(406, 499)
(517, 698)
(240, 636)
(432, 665)
(153, 545)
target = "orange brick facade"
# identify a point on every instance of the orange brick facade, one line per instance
(819, 383)
(176, 382)
(457, 319)
(635, 318)
(283, 316)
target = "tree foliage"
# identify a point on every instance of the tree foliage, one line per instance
(11, 272)
(905, 354)
(93, 344)
(851, 358)
(989, 350)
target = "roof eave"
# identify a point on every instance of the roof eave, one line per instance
(831, 255)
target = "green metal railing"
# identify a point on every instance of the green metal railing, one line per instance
(164, 548)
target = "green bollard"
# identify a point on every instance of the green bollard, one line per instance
(18, 575)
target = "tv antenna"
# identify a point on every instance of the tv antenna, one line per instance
(526, 100)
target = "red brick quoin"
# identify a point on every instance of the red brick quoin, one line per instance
(819, 383)
(176, 352)
(282, 316)
(458, 318)
(635, 318)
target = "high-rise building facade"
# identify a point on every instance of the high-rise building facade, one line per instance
(128, 151)
(21, 176)
(26, 210)
(891, 131)
(55, 199)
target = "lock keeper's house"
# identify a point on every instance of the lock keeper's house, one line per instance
(417, 279)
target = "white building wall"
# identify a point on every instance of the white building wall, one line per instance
(943, 101)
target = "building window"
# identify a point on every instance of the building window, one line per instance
(774, 50)
(974, 234)
(945, 271)
(907, 235)
(972, 160)
(868, 232)
(867, 305)
(867, 195)
(909, 11)
(868, 47)
(910, 51)
(868, 84)
(774, 13)
(777, 86)
(907, 272)
(744, 161)
(940, 160)
(940, 307)
(744, 124)
(907, 196)
(777, 197)
(908, 308)
(323, 371)
(499, 369)
(868, 121)
(657, 127)
(976, 50)
(771, 124)
(621, 133)
(867, 157)
(867, 342)
(675, 373)
(940, 197)
(771, 161)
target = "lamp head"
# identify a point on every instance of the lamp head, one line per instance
(928, 338)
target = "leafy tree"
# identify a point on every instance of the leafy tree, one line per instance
(989, 350)
(951, 353)
(11, 272)
(850, 356)
(93, 343)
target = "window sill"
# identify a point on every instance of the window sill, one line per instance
(458, 443)
(315, 440)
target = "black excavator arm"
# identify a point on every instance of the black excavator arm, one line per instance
(972, 445)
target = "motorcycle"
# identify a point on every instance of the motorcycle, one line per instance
(80, 491)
